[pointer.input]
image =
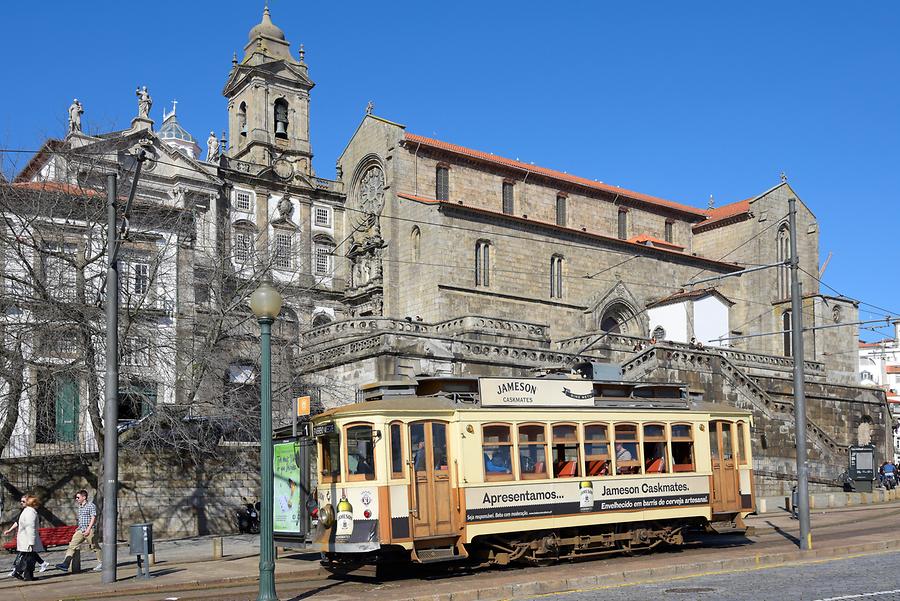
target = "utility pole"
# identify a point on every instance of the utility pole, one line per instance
(799, 379)
(114, 236)
(111, 393)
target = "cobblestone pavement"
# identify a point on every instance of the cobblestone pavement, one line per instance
(873, 577)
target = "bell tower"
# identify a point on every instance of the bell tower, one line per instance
(268, 101)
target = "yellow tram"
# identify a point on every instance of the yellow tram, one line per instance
(529, 469)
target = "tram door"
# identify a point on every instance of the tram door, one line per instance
(429, 491)
(725, 495)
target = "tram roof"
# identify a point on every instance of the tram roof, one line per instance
(441, 403)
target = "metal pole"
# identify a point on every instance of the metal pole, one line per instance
(267, 478)
(799, 378)
(304, 488)
(111, 392)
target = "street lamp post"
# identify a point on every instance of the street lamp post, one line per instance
(265, 302)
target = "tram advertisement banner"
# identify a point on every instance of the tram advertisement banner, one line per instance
(523, 499)
(535, 392)
(286, 493)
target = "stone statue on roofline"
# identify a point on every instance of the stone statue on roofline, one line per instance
(212, 147)
(75, 112)
(144, 102)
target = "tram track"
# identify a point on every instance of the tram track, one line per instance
(405, 582)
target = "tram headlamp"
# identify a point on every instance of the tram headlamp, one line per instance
(326, 516)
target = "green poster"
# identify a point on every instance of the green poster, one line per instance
(287, 504)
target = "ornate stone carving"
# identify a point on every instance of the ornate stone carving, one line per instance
(285, 208)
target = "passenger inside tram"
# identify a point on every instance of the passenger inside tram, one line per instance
(498, 462)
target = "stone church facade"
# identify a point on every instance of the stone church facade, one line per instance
(424, 257)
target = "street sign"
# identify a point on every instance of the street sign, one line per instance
(305, 429)
(302, 406)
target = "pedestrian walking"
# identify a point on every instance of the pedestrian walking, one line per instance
(85, 533)
(28, 543)
(43, 565)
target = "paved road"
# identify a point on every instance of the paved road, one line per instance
(872, 577)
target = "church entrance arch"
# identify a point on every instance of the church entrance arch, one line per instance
(619, 318)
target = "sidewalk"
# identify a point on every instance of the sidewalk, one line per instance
(182, 571)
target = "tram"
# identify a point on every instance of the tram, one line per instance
(502, 470)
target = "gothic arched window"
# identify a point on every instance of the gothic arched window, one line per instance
(442, 183)
(415, 240)
(281, 118)
(786, 333)
(556, 276)
(783, 250)
(483, 263)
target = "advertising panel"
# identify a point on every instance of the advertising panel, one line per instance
(287, 506)
(535, 392)
(583, 496)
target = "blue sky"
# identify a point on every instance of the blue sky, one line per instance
(676, 99)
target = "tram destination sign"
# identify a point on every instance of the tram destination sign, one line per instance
(535, 392)
(323, 429)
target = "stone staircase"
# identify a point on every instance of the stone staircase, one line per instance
(664, 358)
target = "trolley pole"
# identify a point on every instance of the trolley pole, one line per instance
(799, 379)
(111, 394)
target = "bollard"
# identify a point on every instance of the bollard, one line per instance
(217, 550)
(76, 562)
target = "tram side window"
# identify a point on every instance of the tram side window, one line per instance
(331, 457)
(532, 451)
(396, 451)
(655, 449)
(360, 453)
(742, 443)
(682, 448)
(496, 446)
(627, 459)
(565, 451)
(596, 450)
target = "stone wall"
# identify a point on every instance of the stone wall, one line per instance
(179, 497)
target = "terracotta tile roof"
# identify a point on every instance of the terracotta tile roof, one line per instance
(549, 225)
(720, 215)
(59, 187)
(645, 238)
(688, 295)
(551, 173)
(892, 369)
(887, 341)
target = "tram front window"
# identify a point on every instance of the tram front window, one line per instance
(330, 449)
(360, 453)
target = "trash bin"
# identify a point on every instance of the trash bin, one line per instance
(140, 540)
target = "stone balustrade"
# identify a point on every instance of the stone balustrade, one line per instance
(451, 328)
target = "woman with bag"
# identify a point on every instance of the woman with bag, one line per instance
(28, 543)
(43, 565)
